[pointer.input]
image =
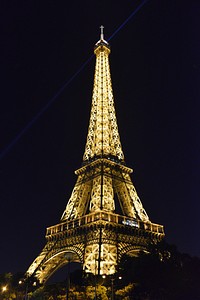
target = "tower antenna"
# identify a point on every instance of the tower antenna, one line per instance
(102, 34)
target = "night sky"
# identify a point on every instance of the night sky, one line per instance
(155, 67)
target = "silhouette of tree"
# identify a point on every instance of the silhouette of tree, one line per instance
(164, 273)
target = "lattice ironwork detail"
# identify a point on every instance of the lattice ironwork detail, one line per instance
(103, 136)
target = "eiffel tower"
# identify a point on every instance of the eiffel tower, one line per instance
(104, 217)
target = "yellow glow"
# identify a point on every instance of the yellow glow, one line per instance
(4, 288)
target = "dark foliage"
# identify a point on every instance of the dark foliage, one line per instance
(164, 274)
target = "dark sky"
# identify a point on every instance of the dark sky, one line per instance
(155, 66)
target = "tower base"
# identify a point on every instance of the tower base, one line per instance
(98, 241)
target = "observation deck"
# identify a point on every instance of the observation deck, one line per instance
(102, 218)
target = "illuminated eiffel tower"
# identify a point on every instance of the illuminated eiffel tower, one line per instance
(104, 217)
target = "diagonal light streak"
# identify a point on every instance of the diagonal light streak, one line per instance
(66, 83)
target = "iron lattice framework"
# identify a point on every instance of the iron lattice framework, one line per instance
(104, 217)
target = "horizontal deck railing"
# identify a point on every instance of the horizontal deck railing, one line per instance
(105, 216)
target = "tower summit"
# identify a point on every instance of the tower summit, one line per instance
(103, 137)
(104, 217)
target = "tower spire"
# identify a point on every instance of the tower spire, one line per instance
(102, 34)
(103, 138)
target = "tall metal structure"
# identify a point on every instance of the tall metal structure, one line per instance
(104, 217)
